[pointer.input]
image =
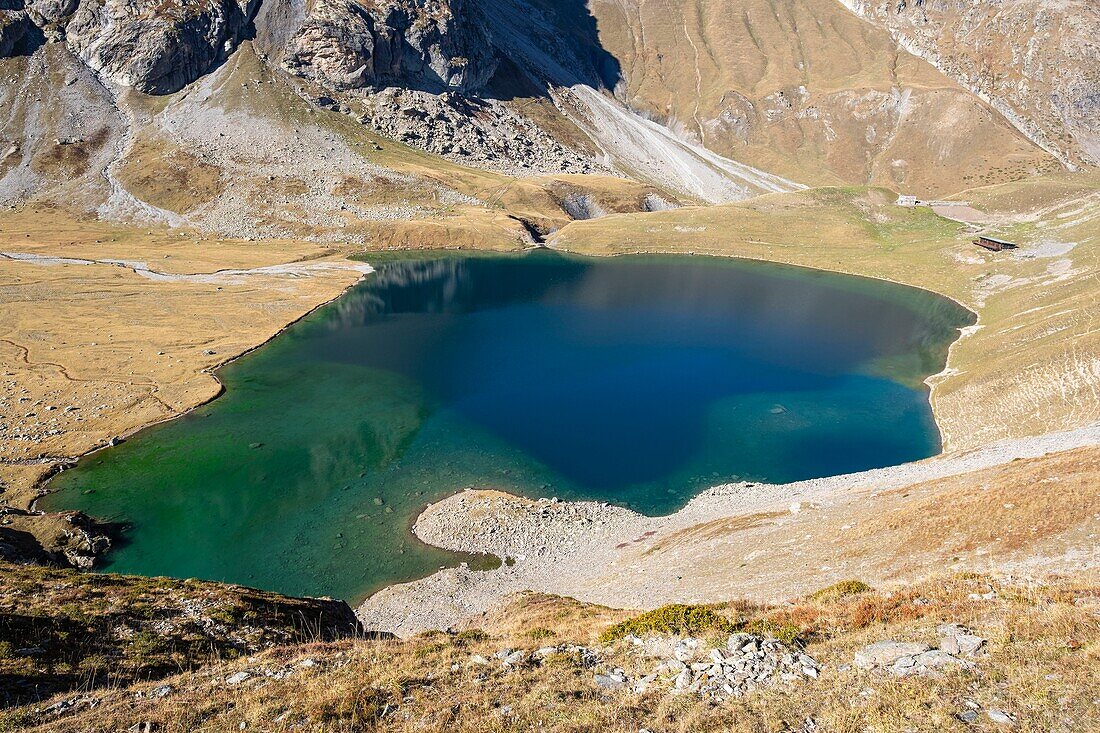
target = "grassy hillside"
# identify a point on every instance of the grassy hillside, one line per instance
(809, 91)
(61, 631)
(1037, 666)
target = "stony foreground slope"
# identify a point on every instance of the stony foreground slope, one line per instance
(963, 652)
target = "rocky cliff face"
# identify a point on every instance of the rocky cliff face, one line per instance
(423, 44)
(16, 29)
(156, 47)
(1034, 60)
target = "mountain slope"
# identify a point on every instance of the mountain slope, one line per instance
(807, 90)
(1036, 61)
(715, 101)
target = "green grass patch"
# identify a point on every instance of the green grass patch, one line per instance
(843, 589)
(470, 636)
(787, 633)
(539, 633)
(677, 618)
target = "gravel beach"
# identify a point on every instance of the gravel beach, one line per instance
(601, 553)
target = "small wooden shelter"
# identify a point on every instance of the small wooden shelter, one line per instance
(993, 244)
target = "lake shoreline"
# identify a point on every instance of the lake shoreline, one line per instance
(932, 381)
(601, 553)
(231, 359)
(783, 312)
(42, 486)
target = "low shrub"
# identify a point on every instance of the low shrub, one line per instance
(470, 636)
(538, 633)
(843, 589)
(785, 632)
(677, 618)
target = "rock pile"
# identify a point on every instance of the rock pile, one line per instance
(480, 132)
(509, 659)
(688, 665)
(747, 661)
(909, 658)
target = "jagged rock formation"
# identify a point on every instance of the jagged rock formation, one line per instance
(711, 102)
(17, 32)
(1036, 61)
(429, 44)
(154, 47)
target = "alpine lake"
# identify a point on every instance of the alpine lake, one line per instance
(639, 381)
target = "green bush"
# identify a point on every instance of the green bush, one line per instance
(843, 589)
(538, 633)
(470, 636)
(146, 644)
(677, 618)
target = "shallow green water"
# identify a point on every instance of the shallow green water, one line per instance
(638, 381)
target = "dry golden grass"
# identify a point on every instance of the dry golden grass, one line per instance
(1041, 667)
(809, 91)
(1011, 508)
(1035, 515)
(160, 173)
(124, 350)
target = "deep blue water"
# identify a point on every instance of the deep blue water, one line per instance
(638, 381)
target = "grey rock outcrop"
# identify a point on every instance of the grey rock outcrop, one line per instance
(886, 653)
(156, 48)
(419, 44)
(51, 16)
(903, 659)
(15, 27)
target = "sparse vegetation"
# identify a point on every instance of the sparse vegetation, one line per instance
(62, 630)
(1039, 667)
(470, 636)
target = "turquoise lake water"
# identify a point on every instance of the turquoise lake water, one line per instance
(638, 381)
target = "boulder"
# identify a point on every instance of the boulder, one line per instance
(421, 44)
(957, 640)
(46, 13)
(15, 29)
(886, 653)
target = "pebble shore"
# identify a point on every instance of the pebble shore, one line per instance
(600, 553)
